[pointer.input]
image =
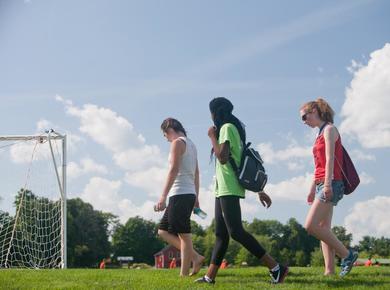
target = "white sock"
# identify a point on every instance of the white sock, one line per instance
(276, 268)
(208, 279)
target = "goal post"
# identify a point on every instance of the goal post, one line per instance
(35, 236)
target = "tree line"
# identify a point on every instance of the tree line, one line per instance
(93, 235)
(101, 235)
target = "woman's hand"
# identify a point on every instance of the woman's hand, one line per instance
(328, 192)
(212, 132)
(265, 199)
(161, 205)
(196, 205)
(310, 197)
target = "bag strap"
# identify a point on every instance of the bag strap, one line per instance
(322, 129)
(231, 160)
(233, 163)
(341, 168)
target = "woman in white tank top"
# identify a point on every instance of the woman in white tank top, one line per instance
(182, 187)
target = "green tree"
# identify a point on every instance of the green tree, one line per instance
(341, 234)
(244, 255)
(232, 251)
(301, 259)
(317, 259)
(88, 234)
(296, 240)
(382, 247)
(198, 234)
(367, 244)
(196, 229)
(137, 238)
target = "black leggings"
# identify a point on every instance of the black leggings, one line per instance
(228, 223)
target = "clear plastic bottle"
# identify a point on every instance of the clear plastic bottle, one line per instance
(200, 213)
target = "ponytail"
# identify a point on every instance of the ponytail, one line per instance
(325, 112)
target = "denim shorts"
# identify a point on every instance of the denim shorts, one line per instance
(338, 191)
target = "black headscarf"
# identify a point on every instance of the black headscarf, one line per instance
(222, 110)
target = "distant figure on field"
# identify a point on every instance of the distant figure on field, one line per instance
(224, 264)
(172, 265)
(102, 264)
(368, 263)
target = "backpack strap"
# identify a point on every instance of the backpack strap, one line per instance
(322, 128)
(231, 160)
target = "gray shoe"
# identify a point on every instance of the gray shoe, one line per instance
(348, 262)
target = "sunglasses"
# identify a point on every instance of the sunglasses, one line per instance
(304, 116)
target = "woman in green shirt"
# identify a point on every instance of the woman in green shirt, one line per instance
(227, 138)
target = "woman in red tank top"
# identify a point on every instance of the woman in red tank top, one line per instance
(327, 187)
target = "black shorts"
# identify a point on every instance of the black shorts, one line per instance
(176, 218)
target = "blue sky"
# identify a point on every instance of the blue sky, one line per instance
(107, 73)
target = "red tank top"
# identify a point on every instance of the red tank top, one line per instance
(320, 159)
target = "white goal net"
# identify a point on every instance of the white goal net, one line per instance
(33, 201)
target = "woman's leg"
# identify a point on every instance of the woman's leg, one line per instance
(221, 242)
(176, 219)
(175, 241)
(318, 213)
(232, 216)
(186, 250)
(327, 251)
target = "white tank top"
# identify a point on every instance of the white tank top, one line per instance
(185, 180)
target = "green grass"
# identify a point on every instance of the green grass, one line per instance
(247, 278)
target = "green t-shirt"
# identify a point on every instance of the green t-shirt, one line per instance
(226, 180)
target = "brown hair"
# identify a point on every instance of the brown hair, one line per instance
(325, 112)
(173, 124)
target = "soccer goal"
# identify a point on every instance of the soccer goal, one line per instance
(33, 201)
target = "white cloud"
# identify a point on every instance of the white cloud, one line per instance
(63, 100)
(293, 166)
(105, 195)
(44, 125)
(366, 179)
(117, 135)
(139, 158)
(354, 67)
(293, 151)
(87, 165)
(365, 110)
(27, 151)
(102, 193)
(73, 141)
(295, 188)
(105, 127)
(150, 180)
(370, 217)
(360, 155)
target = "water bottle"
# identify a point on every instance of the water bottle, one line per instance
(200, 213)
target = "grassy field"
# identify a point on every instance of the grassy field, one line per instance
(247, 278)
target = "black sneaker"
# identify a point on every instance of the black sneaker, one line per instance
(279, 275)
(204, 280)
